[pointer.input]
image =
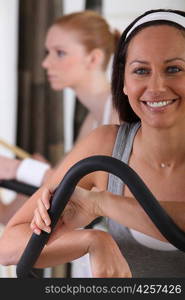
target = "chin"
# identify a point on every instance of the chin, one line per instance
(55, 87)
(160, 124)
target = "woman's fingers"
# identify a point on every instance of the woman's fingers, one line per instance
(43, 212)
(46, 197)
(34, 227)
(41, 220)
(38, 223)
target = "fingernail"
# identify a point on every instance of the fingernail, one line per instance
(37, 231)
(48, 230)
(47, 222)
(47, 206)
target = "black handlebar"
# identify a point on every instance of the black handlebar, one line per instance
(18, 187)
(65, 189)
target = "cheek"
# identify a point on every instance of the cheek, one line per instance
(178, 87)
(134, 91)
(73, 65)
(129, 86)
(65, 63)
(133, 88)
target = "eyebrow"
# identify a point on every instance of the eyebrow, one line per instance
(138, 61)
(54, 47)
(175, 58)
(166, 61)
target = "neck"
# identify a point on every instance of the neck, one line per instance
(159, 147)
(93, 93)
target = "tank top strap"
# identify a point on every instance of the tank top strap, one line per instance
(122, 151)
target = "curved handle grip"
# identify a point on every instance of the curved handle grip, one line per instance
(65, 189)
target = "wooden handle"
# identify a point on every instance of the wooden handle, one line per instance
(16, 150)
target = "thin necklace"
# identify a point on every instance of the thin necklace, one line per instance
(164, 165)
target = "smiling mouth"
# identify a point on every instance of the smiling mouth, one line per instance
(155, 104)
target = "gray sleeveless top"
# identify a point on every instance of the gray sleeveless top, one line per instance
(143, 261)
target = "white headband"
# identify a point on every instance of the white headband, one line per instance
(155, 16)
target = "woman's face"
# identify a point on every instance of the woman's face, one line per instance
(155, 75)
(66, 61)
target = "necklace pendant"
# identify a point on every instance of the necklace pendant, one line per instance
(162, 165)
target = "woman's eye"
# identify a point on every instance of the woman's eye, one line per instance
(60, 53)
(173, 69)
(141, 71)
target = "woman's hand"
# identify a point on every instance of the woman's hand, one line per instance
(105, 256)
(8, 168)
(81, 210)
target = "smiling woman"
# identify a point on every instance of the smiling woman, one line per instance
(148, 86)
(154, 83)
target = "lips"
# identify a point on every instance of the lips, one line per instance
(51, 74)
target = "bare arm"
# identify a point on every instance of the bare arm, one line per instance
(18, 227)
(84, 206)
(105, 257)
(125, 210)
(8, 210)
(8, 167)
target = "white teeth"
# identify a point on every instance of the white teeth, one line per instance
(158, 104)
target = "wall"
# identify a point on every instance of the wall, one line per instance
(123, 12)
(8, 70)
(8, 88)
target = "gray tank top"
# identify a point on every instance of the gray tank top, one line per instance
(143, 261)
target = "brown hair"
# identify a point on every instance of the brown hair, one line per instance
(94, 31)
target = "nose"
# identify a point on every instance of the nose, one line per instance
(46, 62)
(156, 83)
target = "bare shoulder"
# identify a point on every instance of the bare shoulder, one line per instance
(100, 140)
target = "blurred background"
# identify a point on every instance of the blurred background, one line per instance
(33, 116)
